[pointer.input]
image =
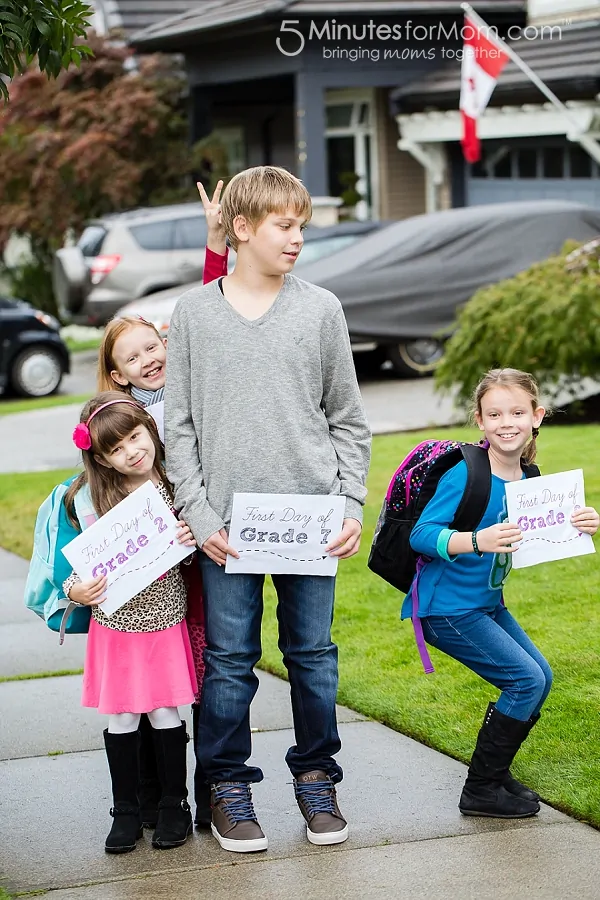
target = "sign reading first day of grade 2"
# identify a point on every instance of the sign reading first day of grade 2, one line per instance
(284, 534)
(133, 544)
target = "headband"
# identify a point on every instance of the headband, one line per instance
(81, 435)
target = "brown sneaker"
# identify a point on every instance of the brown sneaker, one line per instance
(234, 822)
(316, 797)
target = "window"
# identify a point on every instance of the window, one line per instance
(580, 162)
(553, 162)
(226, 151)
(526, 163)
(190, 234)
(90, 242)
(314, 250)
(339, 116)
(155, 235)
(499, 165)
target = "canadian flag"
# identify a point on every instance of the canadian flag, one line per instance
(483, 60)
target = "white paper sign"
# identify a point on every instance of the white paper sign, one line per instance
(133, 544)
(542, 509)
(284, 534)
(157, 411)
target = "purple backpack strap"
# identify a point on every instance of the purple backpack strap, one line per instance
(417, 625)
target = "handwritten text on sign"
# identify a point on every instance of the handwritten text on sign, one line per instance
(133, 545)
(542, 508)
(284, 533)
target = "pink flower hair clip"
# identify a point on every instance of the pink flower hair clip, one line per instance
(82, 437)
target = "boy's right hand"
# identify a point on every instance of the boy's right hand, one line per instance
(498, 538)
(212, 211)
(217, 547)
(89, 593)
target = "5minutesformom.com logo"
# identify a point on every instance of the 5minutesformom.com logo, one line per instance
(408, 31)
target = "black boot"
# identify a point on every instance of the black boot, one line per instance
(174, 814)
(122, 755)
(149, 784)
(484, 793)
(512, 785)
(203, 817)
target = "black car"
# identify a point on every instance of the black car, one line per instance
(33, 357)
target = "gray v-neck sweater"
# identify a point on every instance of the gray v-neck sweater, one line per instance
(269, 406)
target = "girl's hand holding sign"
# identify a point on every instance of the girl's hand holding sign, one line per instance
(89, 593)
(586, 520)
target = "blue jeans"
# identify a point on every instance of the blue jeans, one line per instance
(234, 608)
(495, 647)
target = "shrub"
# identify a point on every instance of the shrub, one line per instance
(545, 320)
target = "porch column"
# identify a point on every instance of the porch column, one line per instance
(309, 120)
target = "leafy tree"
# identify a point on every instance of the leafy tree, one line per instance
(546, 320)
(48, 29)
(98, 139)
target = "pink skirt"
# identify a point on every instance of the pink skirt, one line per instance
(136, 672)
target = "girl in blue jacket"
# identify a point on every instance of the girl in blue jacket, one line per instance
(460, 594)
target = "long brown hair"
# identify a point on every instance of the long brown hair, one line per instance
(107, 428)
(511, 378)
(106, 362)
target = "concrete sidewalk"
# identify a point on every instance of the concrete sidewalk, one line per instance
(407, 837)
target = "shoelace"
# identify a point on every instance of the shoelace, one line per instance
(318, 797)
(239, 802)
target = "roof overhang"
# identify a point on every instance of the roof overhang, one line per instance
(528, 120)
(202, 22)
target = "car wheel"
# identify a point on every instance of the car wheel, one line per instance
(36, 372)
(416, 358)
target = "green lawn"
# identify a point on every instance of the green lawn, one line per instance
(77, 346)
(8, 407)
(380, 671)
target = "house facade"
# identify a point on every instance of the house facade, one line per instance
(529, 148)
(306, 84)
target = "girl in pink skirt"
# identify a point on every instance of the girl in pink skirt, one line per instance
(138, 660)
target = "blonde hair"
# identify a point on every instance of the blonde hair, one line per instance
(106, 362)
(107, 428)
(256, 192)
(510, 378)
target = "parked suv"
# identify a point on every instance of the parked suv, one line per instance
(124, 256)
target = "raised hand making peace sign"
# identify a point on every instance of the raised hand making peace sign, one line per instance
(212, 210)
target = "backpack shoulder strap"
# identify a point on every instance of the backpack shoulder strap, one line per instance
(531, 470)
(84, 510)
(477, 491)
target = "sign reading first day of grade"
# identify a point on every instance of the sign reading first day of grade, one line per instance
(133, 544)
(542, 508)
(284, 534)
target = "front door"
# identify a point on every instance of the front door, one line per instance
(351, 170)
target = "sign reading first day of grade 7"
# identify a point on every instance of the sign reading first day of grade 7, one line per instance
(133, 544)
(284, 534)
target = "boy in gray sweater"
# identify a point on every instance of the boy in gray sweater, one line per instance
(261, 396)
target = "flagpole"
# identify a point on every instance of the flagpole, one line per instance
(586, 141)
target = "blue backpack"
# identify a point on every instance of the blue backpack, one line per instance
(49, 568)
(412, 486)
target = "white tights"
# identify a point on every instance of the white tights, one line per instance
(124, 723)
